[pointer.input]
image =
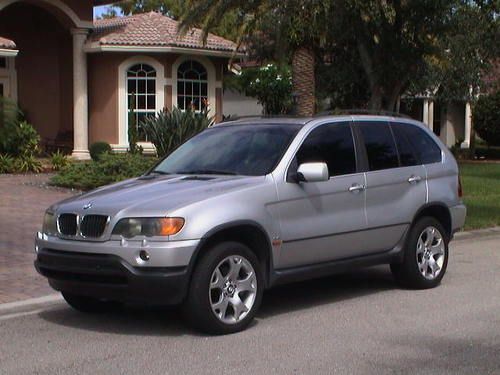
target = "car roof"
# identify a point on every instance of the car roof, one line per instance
(292, 120)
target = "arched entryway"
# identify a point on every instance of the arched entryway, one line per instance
(48, 36)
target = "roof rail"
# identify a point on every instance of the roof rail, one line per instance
(361, 112)
(238, 118)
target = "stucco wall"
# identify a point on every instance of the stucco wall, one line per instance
(453, 123)
(240, 105)
(43, 65)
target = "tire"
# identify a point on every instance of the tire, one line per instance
(425, 256)
(89, 304)
(221, 299)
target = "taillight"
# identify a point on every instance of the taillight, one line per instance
(460, 192)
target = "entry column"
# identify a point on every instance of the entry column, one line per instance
(80, 96)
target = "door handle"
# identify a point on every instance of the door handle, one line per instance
(413, 179)
(356, 187)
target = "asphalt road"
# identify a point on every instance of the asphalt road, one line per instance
(360, 323)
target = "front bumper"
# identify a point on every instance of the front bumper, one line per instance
(114, 272)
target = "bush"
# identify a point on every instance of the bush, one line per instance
(27, 163)
(19, 140)
(486, 117)
(99, 148)
(58, 161)
(169, 129)
(271, 85)
(7, 164)
(108, 169)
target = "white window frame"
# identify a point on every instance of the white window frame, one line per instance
(213, 84)
(145, 110)
(199, 81)
(123, 98)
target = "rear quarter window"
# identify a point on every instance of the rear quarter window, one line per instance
(425, 148)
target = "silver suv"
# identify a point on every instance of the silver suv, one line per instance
(249, 204)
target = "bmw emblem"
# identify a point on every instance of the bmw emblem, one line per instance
(87, 206)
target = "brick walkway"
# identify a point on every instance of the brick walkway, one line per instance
(23, 200)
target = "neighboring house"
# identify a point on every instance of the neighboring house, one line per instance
(451, 121)
(77, 79)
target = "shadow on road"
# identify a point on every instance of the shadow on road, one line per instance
(280, 300)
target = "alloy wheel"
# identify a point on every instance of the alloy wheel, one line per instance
(233, 289)
(430, 253)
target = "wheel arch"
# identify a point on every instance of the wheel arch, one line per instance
(439, 211)
(248, 232)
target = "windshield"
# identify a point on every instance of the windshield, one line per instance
(250, 150)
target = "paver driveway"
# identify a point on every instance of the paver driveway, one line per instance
(23, 201)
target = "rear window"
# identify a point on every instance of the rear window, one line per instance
(426, 150)
(380, 146)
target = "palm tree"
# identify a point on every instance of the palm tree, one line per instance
(304, 24)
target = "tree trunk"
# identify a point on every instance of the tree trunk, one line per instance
(303, 79)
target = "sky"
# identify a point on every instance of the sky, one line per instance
(100, 10)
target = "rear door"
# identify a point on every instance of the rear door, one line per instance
(395, 183)
(319, 220)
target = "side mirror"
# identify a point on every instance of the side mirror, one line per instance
(313, 172)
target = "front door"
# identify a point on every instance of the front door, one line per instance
(319, 220)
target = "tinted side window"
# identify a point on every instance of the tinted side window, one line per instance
(406, 152)
(332, 144)
(426, 149)
(380, 146)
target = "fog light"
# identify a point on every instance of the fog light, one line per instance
(144, 255)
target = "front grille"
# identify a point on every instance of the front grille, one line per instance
(67, 224)
(93, 225)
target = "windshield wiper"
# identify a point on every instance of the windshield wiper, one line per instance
(207, 171)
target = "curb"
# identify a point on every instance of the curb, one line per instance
(477, 233)
(29, 305)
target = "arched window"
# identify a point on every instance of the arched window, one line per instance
(192, 86)
(141, 94)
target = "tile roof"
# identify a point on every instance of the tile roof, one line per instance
(152, 29)
(7, 43)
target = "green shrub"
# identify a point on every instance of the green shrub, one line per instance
(169, 129)
(108, 169)
(19, 140)
(7, 164)
(271, 85)
(486, 117)
(99, 148)
(27, 163)
(59, 161)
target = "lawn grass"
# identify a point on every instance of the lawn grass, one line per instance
(481, 187)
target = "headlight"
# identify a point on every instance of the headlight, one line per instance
(49, 223)
(149, 227)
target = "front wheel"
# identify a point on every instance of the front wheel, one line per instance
(226, 289)
(426, 255)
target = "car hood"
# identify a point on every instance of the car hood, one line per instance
(153, 195)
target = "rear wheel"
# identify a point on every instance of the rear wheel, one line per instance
(88, 304)
(226, 289)
(426, 255)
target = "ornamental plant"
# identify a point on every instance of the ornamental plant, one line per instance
(169, 129)
(271, 85)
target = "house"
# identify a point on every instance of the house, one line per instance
(82, 81)
(451, 121)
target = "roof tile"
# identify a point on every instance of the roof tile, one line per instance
(153, 29)
(7, 43)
